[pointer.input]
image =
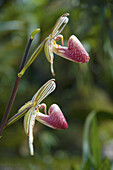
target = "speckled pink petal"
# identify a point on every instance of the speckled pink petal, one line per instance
(55, 118)
(74, 52)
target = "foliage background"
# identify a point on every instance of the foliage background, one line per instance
(81, 88)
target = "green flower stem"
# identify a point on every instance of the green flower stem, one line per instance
(13, 94)
(32, 58)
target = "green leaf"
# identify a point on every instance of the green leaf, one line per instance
(92, 153)
(95, 143)
(87, 165)
(105, 165)
(86, 145)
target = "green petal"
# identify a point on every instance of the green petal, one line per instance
(21, 112)
(48, 48)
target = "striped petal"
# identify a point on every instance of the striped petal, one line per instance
(44, 91)
(59, 26)
(29, 122)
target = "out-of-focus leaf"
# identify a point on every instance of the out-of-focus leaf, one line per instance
(11, 25)
(86, 145)
(92, 151)
(96, 150)
(87, 165)
(105, 165)
(105, 115)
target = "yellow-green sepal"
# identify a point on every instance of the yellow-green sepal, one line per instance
(21, 112)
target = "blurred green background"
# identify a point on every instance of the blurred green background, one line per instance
(81, 88)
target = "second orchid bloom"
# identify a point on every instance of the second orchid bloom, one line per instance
(74, 51)
(32, 111)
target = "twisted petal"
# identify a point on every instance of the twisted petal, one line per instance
(55, 118)
(29, 122)
(74, 52)
(31, 126)
(27, 119)
(44, 91)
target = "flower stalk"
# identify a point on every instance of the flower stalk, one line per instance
(47, 44)
(14, 91)
(32, 109)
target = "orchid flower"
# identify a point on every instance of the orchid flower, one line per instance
(53, 37)
(47, 42)
(54, 119)
(74, 52)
